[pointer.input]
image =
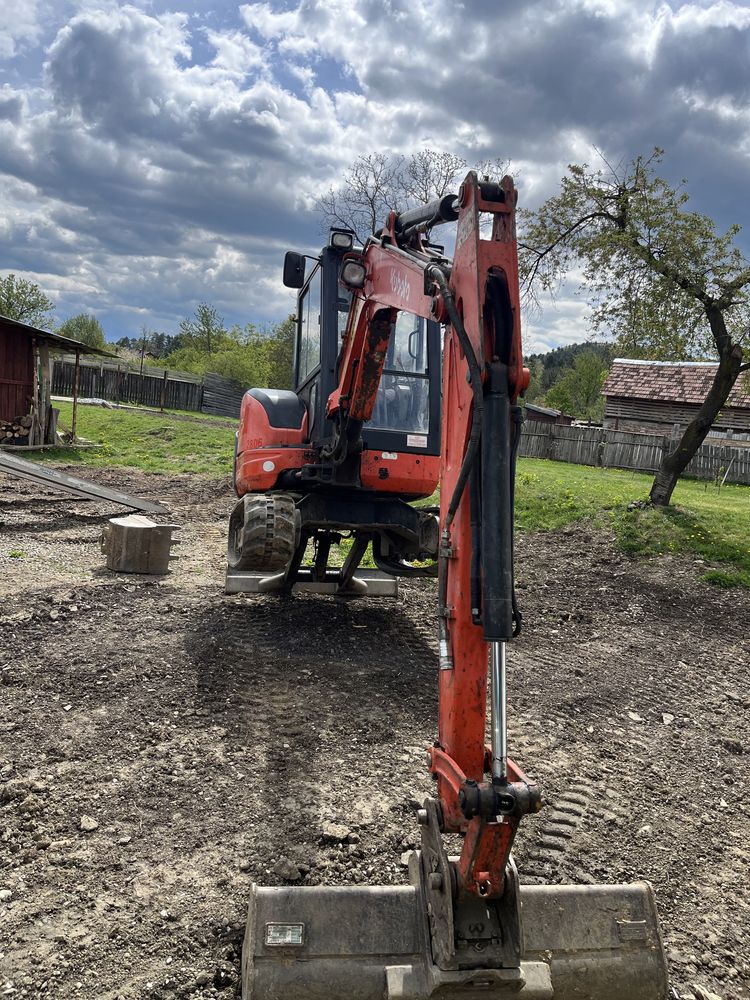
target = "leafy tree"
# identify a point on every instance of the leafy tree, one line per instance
(158, 345)
(579, 390)
(25, 301)
(163, 344)
(240, 354)
(204, 330)
(549, 368)
(379, 183)
(534, 391)
(281, 354)
(85, 328)
(660, 276)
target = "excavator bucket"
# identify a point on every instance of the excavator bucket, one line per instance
(373, 943)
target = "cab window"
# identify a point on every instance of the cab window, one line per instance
(309, 328)
(403, 399)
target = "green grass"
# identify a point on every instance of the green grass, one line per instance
(191, 414)
(152, 442)
(705, 522)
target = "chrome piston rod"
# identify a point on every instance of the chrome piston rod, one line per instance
(498, 711)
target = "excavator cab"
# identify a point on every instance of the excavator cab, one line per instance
(407, 410)
(298, 491)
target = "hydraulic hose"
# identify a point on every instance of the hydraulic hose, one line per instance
(516, 416)
(475, 577)
(472, 449)
(475, 380)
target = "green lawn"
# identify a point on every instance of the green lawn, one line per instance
(149, 441)
(705, 522)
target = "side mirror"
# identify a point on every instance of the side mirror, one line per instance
(294, 269)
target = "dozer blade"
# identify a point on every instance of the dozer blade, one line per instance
(373, 943)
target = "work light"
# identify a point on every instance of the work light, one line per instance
(353, 274)
(341, 239)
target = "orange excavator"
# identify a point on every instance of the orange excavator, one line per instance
(343, 456)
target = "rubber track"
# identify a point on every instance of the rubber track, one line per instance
(269, 535)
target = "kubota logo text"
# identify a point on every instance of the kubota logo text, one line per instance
(399, 284)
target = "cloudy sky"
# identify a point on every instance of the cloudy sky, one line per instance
(156, 154)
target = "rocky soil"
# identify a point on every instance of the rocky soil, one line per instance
(163, 745)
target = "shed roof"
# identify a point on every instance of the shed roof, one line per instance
(54, 340)
(534, 407)
(669, 381)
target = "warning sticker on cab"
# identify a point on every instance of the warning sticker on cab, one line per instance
(416, 440)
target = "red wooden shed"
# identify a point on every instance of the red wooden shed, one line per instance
(26, 381)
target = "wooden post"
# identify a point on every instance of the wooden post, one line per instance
(35, 390)
(600, 447)
(163, 390)
(45, 393)
(143, 353)
(550, 449)
(76, 383)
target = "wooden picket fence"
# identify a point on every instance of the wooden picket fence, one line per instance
(625, 450)
(156, 387)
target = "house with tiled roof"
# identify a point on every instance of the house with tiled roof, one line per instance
(656, 396)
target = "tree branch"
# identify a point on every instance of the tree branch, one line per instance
(541, 254)
(673, 275)
(728, 290)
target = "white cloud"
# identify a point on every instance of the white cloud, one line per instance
(19, 27)
(168, 158)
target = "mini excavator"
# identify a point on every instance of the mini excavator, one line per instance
(344, 455)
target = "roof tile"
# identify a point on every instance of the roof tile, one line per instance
(679, 382)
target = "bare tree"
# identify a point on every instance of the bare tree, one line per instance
(378, 183)
(368, 192)
(427, 175)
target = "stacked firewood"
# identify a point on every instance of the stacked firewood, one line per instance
(16, 431)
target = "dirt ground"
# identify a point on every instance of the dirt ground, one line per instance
(163, 745)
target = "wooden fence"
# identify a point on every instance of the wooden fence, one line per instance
(626, 450)
(156, 387)
(221, 396)
(162, 387)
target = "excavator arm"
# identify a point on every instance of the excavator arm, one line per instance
(476, 297)
(464, 928)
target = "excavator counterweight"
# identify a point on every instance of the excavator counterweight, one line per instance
(345, 454)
